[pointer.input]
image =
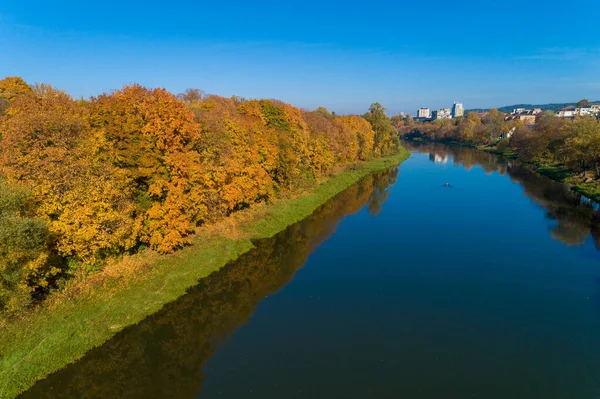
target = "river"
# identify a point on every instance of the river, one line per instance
(398, 287)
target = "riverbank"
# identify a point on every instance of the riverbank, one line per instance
(84, 316)
(557, 172)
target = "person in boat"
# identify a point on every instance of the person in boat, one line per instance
(447, 185)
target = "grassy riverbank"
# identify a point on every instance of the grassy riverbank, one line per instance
(91, 311)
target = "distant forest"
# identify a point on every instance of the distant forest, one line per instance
(544, 107)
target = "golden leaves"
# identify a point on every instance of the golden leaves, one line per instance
(11, 87)
(141, 167)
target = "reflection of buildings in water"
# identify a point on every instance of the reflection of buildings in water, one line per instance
(436, 158)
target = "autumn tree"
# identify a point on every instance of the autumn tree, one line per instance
(293, 137)
(544, 140)
(397, 120)
(238, 153)
(150, 137)
(468, 128)
(494, 124)
(10, 88)
(581, 149)
(364, 134)
(328, 143)
(48, 145)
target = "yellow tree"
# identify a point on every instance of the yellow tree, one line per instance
(581, 149)
(48, 145)
(364, 133)
(237, 154)
(10, 88)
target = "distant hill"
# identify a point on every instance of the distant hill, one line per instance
(544, 107)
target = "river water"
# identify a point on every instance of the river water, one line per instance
(400, 287)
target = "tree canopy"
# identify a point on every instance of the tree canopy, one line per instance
(142, 167)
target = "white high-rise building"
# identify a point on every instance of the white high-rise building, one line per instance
(443, 113)
(458, 109)
(423, 113)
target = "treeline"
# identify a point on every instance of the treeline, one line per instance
(471, 129)
(573, 143)
(84, 180)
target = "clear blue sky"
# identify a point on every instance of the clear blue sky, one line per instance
(343, 56)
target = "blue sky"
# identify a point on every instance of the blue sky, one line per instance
(311, 53)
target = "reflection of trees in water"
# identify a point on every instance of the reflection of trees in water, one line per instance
(380, 194)
(575, 220)
(163, 355)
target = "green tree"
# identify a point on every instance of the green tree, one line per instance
(324, 111)
(24, 243)
(386, 136)
(584, 103)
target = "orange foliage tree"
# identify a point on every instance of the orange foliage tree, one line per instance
(237, 152)
(151, 137)
(364, 134)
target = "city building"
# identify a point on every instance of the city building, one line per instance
(568, 112)
(517, 111)
(444, 113)
(527, 119)
(588, 111)
(458, 109)
(584, 111)
(424, 113)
